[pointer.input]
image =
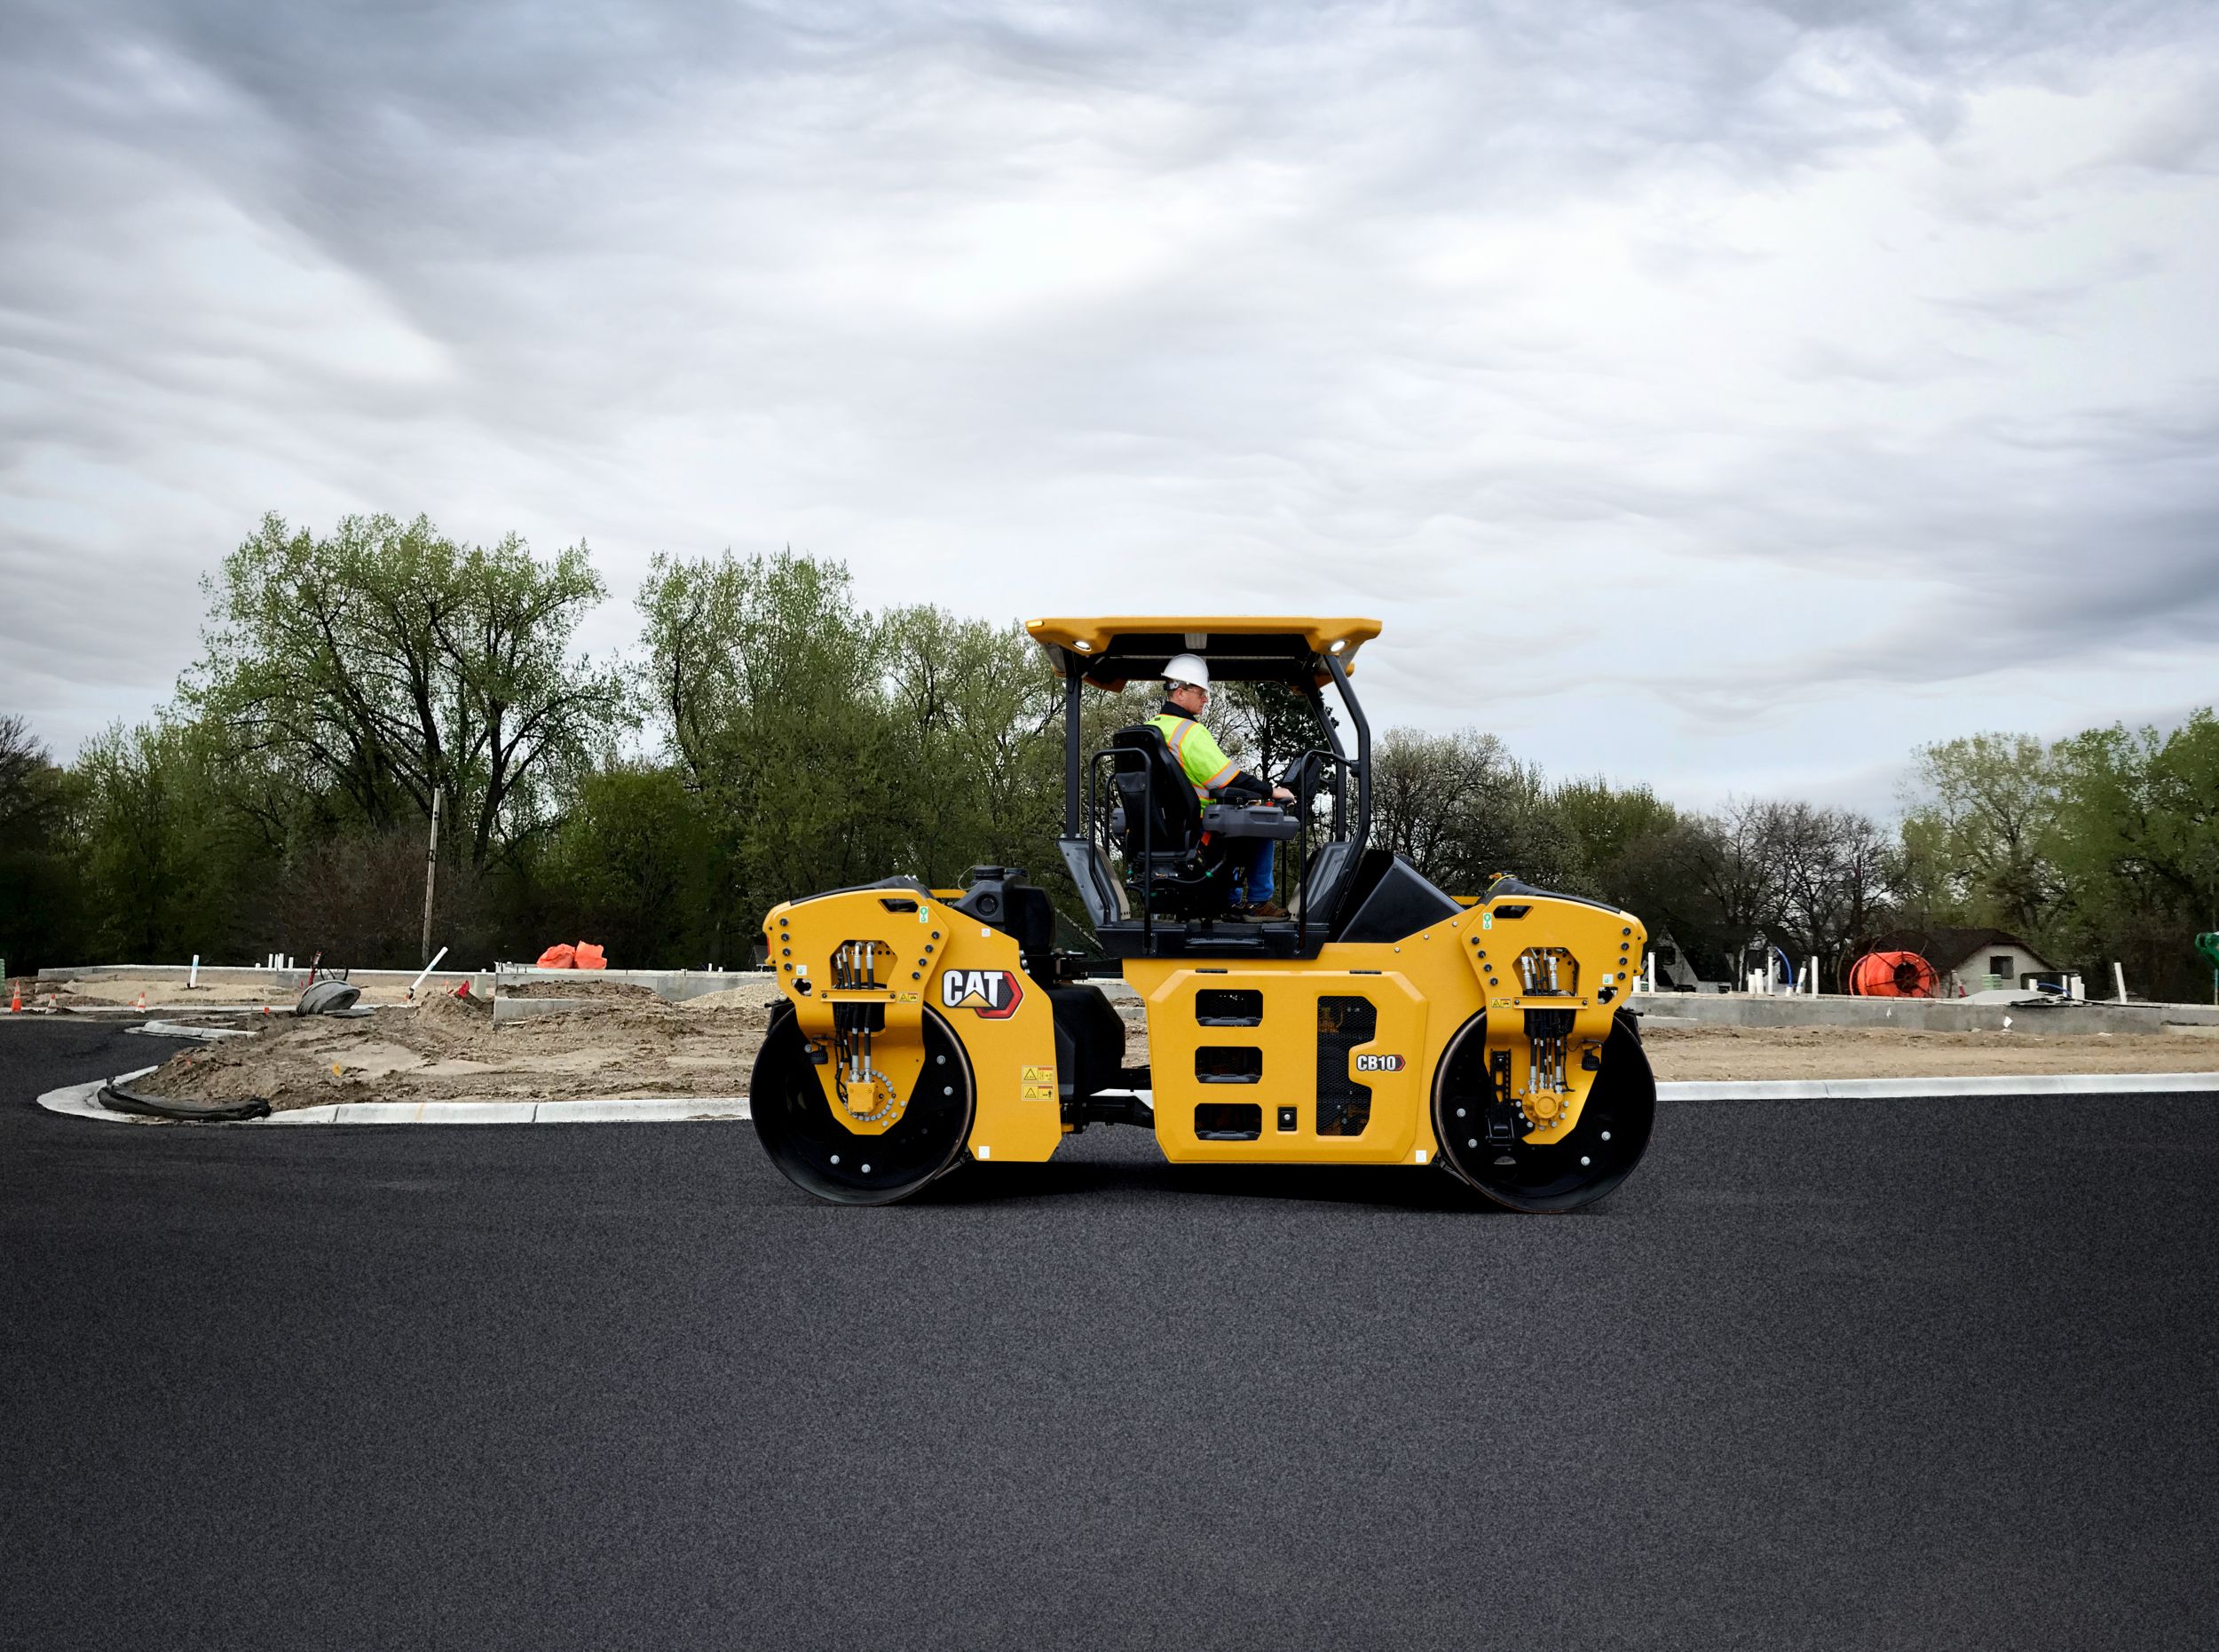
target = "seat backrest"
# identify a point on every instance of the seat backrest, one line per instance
(1150, 783)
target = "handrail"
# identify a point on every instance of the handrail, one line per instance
(1073, 686)
(1097, 828)
(1362, 834)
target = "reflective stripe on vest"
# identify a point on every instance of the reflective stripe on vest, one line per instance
(1175, 737)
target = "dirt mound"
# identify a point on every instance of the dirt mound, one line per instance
(741, 1006)
(583, 987)
(446, 1048)
(441, 1024)
(1736, 1053)
(617, 1024)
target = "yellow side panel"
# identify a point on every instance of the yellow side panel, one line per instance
(1421, 992)
(1423, 989)
(940, 961)
(1013, 1056)
(1603, 948)
(1286, 1038)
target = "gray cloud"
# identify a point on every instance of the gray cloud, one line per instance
(1712, 393)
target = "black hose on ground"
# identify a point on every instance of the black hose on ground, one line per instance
(122, 1098)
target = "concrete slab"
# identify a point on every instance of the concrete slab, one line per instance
(642, 1112)
(1710, 1009)
(672, 985)
(507, 1009)
(476, 1112)
(278, 984)
(1943, 1089)
(1746, 1090)
(204, 1035)
(82, 1100)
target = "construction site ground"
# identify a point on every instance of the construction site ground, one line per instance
(216, 989)
(627, 1042)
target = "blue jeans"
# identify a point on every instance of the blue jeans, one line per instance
(1258, 867)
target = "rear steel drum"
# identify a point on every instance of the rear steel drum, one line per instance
(822, 1156)
(1600, 1152)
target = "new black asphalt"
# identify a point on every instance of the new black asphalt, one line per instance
(1821, 1375)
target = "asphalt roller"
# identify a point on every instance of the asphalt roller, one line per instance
(1379, 1020)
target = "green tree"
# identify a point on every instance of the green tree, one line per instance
(765, 680)
(631, 868)
(976, 721)
(385, 663)
(2135, 841)
(167, 875)
(1980, 830)
(1836, 872)
(1264, 726)
(1462, 809)
(42, 895)
(1614, 830)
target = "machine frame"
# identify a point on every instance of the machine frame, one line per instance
(1383, 1022)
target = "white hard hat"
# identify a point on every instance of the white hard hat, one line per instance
(1187, 668)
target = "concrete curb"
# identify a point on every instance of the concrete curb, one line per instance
(1929, 1090)
(83, 1100)
(205, 1035)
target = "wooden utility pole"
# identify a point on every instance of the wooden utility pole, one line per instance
(430, 871)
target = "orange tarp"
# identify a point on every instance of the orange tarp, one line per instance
(584, 955)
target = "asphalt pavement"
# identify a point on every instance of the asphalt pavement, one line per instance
(1821, 1375)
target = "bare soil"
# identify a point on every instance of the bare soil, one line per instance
(218, 989)
(280, 989)
(634, 1044)
(1694, 1053)
(584, 986)
(446, 1048)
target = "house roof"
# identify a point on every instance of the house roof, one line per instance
(1948, 946)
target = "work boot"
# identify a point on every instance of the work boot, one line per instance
(1266, 912)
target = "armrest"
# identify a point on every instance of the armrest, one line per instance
(1249, 820)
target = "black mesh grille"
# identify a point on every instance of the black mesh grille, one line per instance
(1344, 1108)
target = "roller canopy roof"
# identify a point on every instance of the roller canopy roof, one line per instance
(1248, 649)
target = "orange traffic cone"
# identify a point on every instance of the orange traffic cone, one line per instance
(142, 1000)
(15, 1001)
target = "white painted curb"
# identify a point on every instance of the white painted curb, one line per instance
(206, 1035)
(83, 1100)
(1929, 1090)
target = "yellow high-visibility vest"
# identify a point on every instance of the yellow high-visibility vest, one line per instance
(1204, 764)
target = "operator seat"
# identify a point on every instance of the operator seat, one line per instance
(1158, 825)
(1173, 844)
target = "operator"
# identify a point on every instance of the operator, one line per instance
(1213, 775)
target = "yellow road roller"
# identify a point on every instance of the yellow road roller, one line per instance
(1374, 1019)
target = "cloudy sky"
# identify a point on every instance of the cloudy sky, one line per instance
(1730, 396)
